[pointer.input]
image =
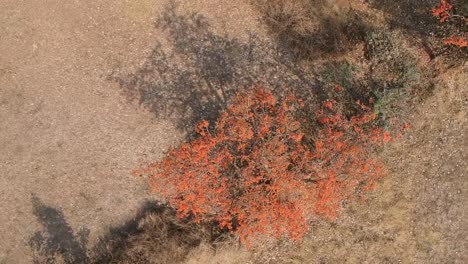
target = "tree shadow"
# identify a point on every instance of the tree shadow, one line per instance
(57, 240)
(412, 16)
(153, 235)
(195, 79)
(307, 29)
(416, 18)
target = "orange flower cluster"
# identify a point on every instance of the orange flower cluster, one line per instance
(343, 165)
(457, 41)
(442, 11)
(256, 174)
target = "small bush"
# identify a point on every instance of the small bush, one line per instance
(257, 174)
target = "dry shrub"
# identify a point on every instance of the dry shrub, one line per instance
(392, 65)
(310, 28)
(257, 175)
(158, 237)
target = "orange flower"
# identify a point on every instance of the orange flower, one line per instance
(386, 137)
(328, 104)
(442, 10)
(255, 175)
(201, 127)
(457, 41)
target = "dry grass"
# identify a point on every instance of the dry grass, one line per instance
(417, 215)
(230, 253)
(158, 237)
(311, 28)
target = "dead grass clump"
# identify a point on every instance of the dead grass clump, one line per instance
(226, 253)
(311, 28)
(392, 65)
(398, 78)
(158, 237)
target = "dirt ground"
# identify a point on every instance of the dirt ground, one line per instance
(69, 138)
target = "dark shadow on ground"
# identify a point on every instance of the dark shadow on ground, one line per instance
(416, 18)
(57, 240)
(195, 78)
(412, 16)
(153, 235)
(309, 29)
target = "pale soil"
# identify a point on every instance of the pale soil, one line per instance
(70, 138)
(66, 134)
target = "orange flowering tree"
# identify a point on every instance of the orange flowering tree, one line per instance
(444, 12)
(257, 174)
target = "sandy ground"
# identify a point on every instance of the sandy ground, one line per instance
(67, 136)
